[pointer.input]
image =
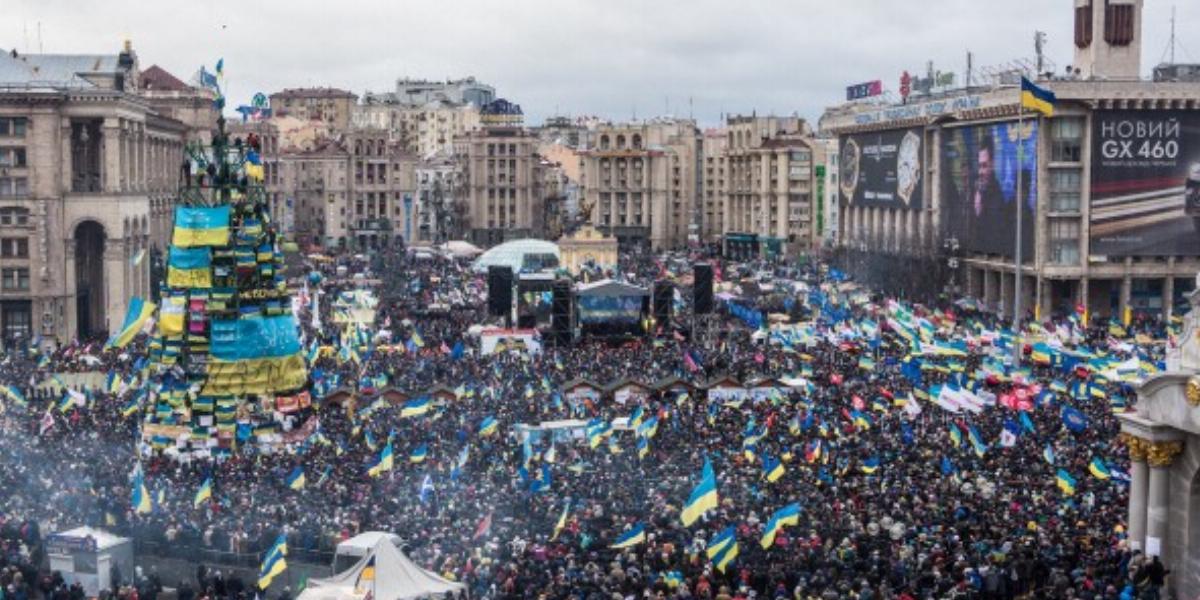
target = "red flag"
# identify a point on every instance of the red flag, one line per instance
(835, 379)
(485, 525)
(857, 402)
(689, 362)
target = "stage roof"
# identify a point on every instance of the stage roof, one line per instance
(608, 287)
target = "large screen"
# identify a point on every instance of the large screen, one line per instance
(610, 309)
(1145, 183)
(882, 169)
(979, 186)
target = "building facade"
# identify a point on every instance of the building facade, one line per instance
(328, 105)
(88, 175)
(712, 217)
(439, 215)
(426, 130)
(1107, 188)
(640, 182)
(768, 199)
(499, 186)
(418, 92)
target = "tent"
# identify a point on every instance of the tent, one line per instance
(461, 249)
(384, 574)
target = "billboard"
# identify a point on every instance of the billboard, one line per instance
(882, 168)
(1145, 183)
(979, 186)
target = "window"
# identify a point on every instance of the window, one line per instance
(13, 215)
(12, 157)
(14, 248)
(1083, 25)
(14, 187)
(12, 126)
(1064, 241)
(1118, 23)
(14, 279)
(1066, 135)
(1064, 190)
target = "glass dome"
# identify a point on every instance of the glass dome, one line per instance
(522, 255)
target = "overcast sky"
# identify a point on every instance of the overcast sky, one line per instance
(578, 57)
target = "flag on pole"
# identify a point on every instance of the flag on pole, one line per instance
(704, 496)
(273, 563)
(633, 537)
(1037, 99)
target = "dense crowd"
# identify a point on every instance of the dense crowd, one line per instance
(891, 507)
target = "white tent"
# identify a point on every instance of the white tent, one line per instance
(461, 249)
(393, 577)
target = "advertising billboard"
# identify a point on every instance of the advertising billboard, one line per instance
(979, 186)
(1145, 183)
(882, 169)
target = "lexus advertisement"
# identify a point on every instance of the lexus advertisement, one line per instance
(980, 164)
(882, 169)
(1145, 183)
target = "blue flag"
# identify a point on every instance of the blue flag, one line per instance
(1073, 419)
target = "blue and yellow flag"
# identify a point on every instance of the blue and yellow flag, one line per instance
(633, 537)
(418, 454)
(384, 463)
(786, 516)
(1036, 98)
(296, 480)
(13, 393)
(722, 539)
(201, 226)
(704, 496)
(274, 562)
(772, 468)
(135, 318)
(1065, 482)
(870, 465)
(1098, 469)
(416, 407)
(140, 499)
(488, 426)
(189, 267)
(203, 494)
(562, 520)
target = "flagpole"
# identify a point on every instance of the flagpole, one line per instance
(1019, 345)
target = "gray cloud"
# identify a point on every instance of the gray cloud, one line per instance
(602, 57)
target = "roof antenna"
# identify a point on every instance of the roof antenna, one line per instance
(40, 49)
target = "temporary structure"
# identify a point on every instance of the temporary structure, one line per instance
(462, 249)
(384, 574)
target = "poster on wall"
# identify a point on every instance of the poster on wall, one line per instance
(882, 169)
(979, 186)
(1145, 183)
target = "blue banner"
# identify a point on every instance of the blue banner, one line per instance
(243, 339)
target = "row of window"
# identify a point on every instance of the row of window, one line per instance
(14, 280)
(13, 126)
(14, 187)
(13, 157)
(14, 215)
(14, 247)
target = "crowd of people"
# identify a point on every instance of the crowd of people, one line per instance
(893, 504)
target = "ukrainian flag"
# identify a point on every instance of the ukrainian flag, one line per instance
(138, 312)
(1037, 98)
(788, 515)
(189, 267)
(703, 498)
(639, 414)
(1066, 483)
(976, 441)
(643, 447)
(649, 428)
(13, 393)
(296, 479)
(725, 556)
(129, 409)
(141, 496)
(630, 538)
(416, 408)
(201, 226)
(772, 468)
(274, 562)
(721, 541)
(203, 494)
(1099, 469)
(870, 465)
(488, 426)
(385, 462)
(418, 455)
(562, 521)
(673, 579)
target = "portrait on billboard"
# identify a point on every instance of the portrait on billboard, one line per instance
(980, 166)
(1145, 181)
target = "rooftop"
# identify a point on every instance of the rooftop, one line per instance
(65, 71)
(314, 92)
(157, 78)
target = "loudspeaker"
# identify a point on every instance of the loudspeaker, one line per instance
(664, 301)
(500, 283)
(702, 290)
(560, 312)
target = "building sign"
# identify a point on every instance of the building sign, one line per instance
(979, 185)
(928, 109)
(69, 544)
(1145, 183)
(882, 168)
(864, 90)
